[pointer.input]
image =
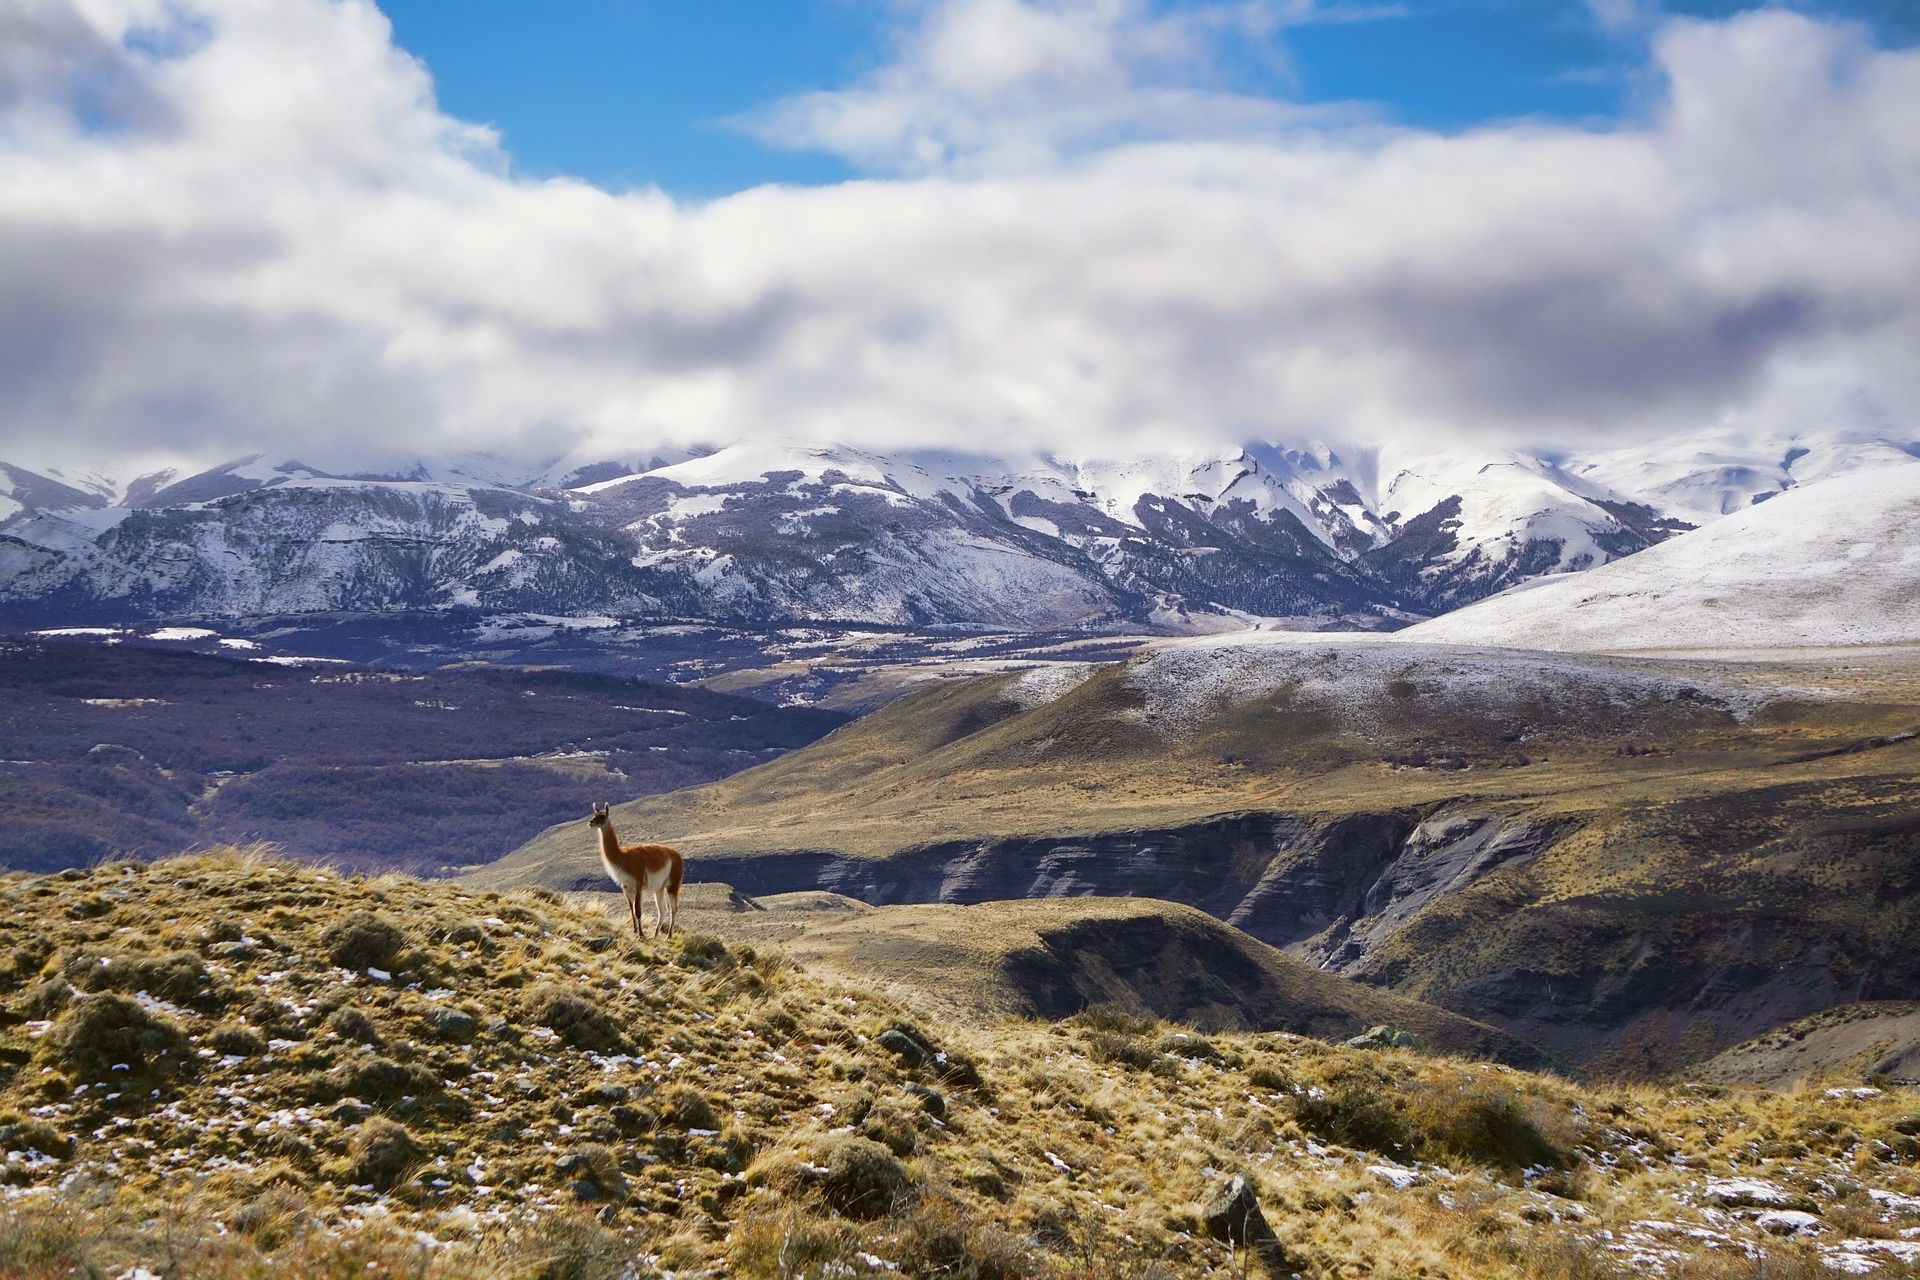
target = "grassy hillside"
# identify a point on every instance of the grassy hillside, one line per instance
(1636, 862)
(1056, 957)
(224, 1066)
(1035, 753)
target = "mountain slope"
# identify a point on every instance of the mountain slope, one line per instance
(1833, 563)
(1351, 538)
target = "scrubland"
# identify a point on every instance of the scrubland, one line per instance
(224, 1065)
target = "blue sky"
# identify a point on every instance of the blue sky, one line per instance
(630, 93)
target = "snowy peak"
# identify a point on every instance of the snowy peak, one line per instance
(1320, 534)
(1831, 563)
(1716, 474)
(27, 492)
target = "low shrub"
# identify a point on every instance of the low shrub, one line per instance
(577, 1019)
(109, 1036)
(704, 951)
(381, 1153)
(176, 976)
(685, 1107)
(1485, 1121)
(1127, 1050)
(363, 940)
(863, 1178)
(1111, 1017)
(1352, 1109)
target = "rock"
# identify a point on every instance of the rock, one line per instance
(904, 1047)
(1787, 1222)
(453, 1024)
(1755, 1193)
(1233, 1214)
(1385, 1037)
(932, 1101)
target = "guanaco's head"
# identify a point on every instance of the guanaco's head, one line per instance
(600, 816)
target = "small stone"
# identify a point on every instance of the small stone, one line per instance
(1233, 1214)
(453, 1024)
(905, 1047)
(1787, 1222)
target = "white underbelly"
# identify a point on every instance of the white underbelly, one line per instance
(628, 884)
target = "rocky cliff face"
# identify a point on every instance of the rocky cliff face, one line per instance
(1331, 890)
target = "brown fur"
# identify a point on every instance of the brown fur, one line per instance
(636, 868)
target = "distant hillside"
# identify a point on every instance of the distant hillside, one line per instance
(116, 748)
(1633, 862)
(1842, 1045)
(1833, 563)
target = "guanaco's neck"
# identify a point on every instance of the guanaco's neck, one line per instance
(609, 847)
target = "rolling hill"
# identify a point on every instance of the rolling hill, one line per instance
(1635, 862)
(1052, 958)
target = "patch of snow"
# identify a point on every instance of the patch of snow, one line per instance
(1046, 684)
(1789, 573)
(1787, 1222)
(1741, 1192)
(182, 633)
(1395, 1175)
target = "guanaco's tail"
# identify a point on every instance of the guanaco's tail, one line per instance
(673, 876)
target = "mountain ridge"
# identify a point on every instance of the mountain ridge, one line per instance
(1323, 538)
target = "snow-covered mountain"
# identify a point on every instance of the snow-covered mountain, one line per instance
(1368, 537)
(1834, 563)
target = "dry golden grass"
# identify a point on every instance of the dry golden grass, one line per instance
(575, 1104)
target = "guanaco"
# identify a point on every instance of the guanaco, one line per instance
(651, 869)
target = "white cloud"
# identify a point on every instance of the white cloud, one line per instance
(239, 224)
(999, 86)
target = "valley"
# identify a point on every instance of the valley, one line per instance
(114, 747)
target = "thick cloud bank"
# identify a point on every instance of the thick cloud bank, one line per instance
(231, 224)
